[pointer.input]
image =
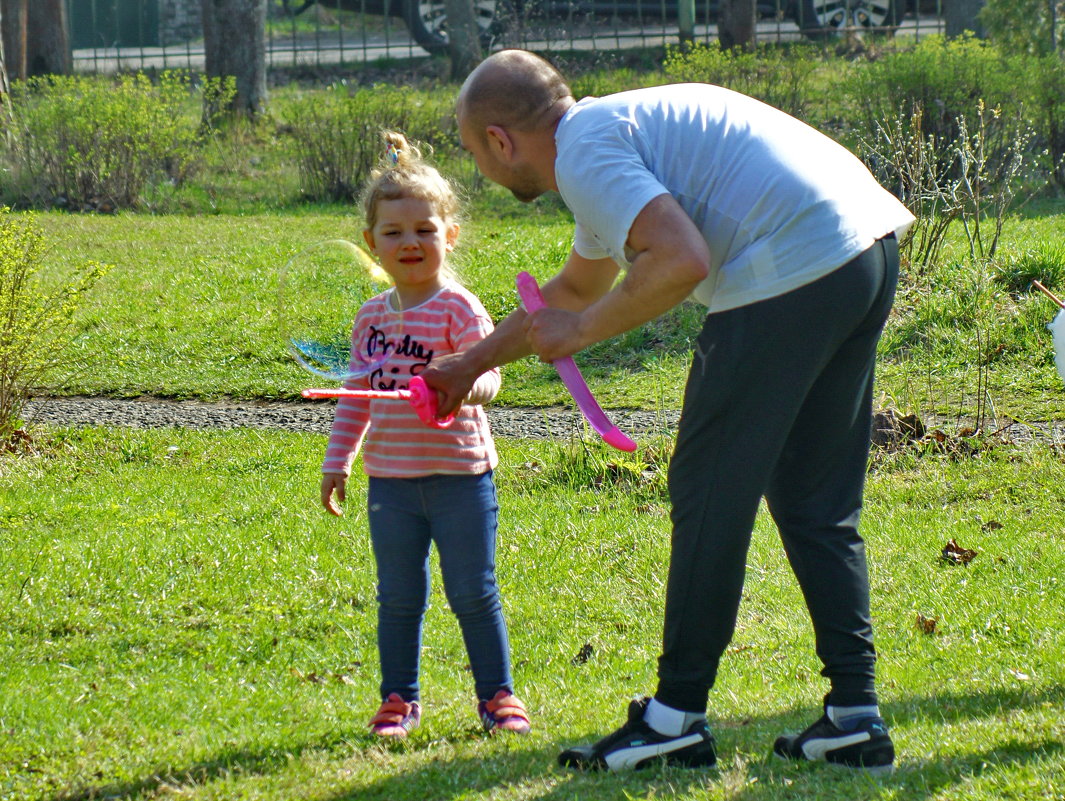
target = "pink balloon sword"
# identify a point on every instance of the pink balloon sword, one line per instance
(533, 300)
(419, 395)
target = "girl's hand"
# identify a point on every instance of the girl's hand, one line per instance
(333, 483)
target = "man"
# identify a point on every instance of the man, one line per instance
(789, 241)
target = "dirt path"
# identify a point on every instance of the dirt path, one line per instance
(554, 422)
(517, 423)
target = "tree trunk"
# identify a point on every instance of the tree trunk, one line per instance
(463, 38)
(686, 23)
(234, 43)
(35, 37)
(5, 87)
(736, 24)
(47, 38)
(14, 14)
(960, 16)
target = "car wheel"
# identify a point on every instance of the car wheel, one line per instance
(832, 15)
(427, 22)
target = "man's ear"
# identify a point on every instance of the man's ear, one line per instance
(500, 142)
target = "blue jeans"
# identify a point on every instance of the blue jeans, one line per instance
(459, 513)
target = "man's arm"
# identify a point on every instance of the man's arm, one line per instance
(671, 258)
(579, 284)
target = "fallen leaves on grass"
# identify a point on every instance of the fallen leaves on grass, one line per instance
(18, 441)
(318, 678)
(954, 554)
(894, 431)
(583, 655)
(926, 625)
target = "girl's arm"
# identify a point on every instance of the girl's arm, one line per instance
(350, 423)
(485, 388)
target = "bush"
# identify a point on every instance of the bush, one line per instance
(336, 133)
(911, 166)
(1025, 26)
(1047, 102)
(974, 179)
(946, 79)
(35, 324)
(95, 143)
(778, 76)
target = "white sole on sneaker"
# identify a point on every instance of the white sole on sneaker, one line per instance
(816, 749)
(627, 758)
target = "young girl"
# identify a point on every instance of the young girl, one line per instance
(426, 485)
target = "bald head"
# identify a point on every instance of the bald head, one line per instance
(516, 90)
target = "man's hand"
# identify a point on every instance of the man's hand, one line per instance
(333, 483)
(452, 380)
(554, 333)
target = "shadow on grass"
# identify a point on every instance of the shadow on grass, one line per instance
(515, 764)
(166, 779)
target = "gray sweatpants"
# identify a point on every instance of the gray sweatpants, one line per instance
(778, 404)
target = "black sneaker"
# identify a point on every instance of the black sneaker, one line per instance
(637, 745)
(868, 746)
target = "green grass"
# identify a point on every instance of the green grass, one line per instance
(179, 617)
(190, 310)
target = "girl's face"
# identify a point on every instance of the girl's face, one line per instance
(412, 241)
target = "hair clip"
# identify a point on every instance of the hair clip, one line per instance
(392, 153)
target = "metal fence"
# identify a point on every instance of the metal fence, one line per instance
(111, 35)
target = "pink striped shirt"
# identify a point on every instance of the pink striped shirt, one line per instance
(397, 443)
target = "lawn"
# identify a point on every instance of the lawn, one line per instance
(179, 618)
(191, 310)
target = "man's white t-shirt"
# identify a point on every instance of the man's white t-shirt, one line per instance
(779, 203)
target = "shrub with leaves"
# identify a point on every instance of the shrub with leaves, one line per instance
(36, 323)
(946, 78)
(1046, 79)
(92, 142)
(974, 178)
(778, 76)
(337, 134)
(1032, 27)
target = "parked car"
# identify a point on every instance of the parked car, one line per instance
(427, 19)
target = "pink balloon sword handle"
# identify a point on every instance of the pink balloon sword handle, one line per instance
(419, 395)
(533, 300)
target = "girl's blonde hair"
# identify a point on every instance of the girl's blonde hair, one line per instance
(403, 174)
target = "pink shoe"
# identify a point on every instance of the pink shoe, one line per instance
(504, 712)
(396, 717)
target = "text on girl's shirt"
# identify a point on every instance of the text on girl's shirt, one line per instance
(379, 347)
